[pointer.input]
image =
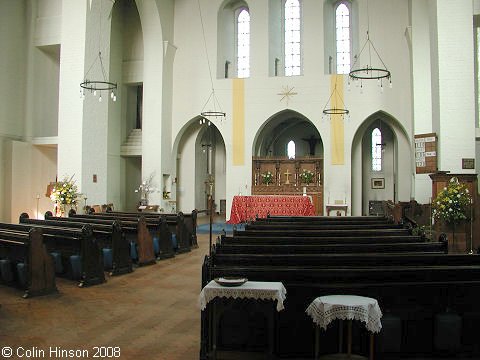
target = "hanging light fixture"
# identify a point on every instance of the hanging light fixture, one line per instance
(371, 71)
(332, 106)
(212, 111)
(212, 108)
(100, 85)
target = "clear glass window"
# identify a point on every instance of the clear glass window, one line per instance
(291, 149)
(243, 44)
(342, 28)
(376, 150)
(292, 38)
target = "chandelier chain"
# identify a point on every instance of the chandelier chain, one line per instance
(212, 97)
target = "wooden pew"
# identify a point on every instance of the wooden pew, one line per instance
(284, 225)
(416, 292)
(27, 247)
(346, 261)
(71, 241)
(399, 270)
(359, 248)
(310, 240)
(175, 222)
(108, 235)
(186, 223)
(135, 230)
(293, 233)
(328, 219)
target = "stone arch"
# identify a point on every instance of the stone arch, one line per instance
(275, 129)
(395, 178)
(198, 147)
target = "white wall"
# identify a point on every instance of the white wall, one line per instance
(176, 72)
(46, 68)
(48, 22)
(71, 112)
(192, 85)
(421, 86)
(13, 28)
(31, 169)
(186, 170)
(454, 107)
(153, 94)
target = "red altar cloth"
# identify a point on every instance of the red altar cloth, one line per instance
(249, 207)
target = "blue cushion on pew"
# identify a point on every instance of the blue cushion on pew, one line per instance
(174, 241)
(76, 264)
(156, 245)
(107, 258)
(57, 262)
(6, 270)
(133, 251)
(22, 274)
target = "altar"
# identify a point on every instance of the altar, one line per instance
(245, 208)
(279, 175)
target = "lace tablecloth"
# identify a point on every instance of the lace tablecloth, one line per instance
(325, 309)
(251, 289)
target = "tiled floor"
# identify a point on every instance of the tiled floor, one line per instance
(151, 313)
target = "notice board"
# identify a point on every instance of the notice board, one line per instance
(426, 153)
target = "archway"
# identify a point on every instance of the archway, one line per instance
(288, 158)
(381, 156)
(283, 127)
(200, 166)
(125, 117)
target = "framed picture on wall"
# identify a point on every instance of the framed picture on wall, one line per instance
(378, 183)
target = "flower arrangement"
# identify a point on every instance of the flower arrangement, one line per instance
(306, 176)
(65, 192)
(451, 203)
(146, 187)
(267, 178)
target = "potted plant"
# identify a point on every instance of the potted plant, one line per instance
(452, 203)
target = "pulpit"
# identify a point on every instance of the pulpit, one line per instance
(283, 176)
(464, 231)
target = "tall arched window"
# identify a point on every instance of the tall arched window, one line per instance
(243, 43)
(292, 38)
(342, 38)
(291, 149)
(376, 150)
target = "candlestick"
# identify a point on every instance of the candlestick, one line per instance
(38, 199)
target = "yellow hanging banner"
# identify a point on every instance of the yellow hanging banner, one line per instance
(337, 130)
(238, 136)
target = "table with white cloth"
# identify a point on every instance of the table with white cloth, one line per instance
(253, 290)
(325, 309)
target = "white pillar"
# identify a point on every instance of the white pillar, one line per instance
(72, 64)
(83, 124)
(453, 82)
(421, 87)
(152, 134)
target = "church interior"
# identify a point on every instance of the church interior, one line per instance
(148, 120)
